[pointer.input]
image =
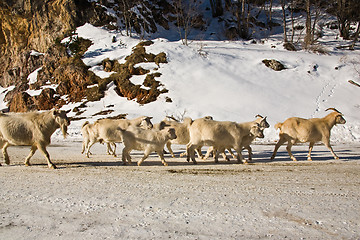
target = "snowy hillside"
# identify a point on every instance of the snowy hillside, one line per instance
(227, 80)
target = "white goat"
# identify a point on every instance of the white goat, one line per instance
(87, 131)
(246, 141)
(221, 135)
(181, 130)
(31, 129)
(312, 130)
(148, 140)
(104, 130)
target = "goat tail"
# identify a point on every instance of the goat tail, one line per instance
(84, 124)
(278, 125)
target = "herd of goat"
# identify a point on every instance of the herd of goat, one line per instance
(35, 129)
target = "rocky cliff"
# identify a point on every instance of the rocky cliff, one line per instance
(30, 41)
(30, 27)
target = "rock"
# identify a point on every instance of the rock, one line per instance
(33, 25)
(124, 87)
(73, 78)
(21, 102)
(160, 58)
(274, 64)
(290, 46)
(46, 100)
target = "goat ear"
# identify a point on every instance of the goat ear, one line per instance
(163, 125)
(55, 112)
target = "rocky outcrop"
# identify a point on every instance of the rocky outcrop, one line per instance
(30, 35)
(69, 74)
(35, 25)
(274, 64)
(28, 25)
(21, 102)
(150, 89)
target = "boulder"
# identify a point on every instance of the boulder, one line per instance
(274, 64)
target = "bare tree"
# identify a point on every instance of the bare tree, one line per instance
(242, 17)
(270, 11)
(216, 8)
(284, 20)
(308, 36)
(127, 15)
(292, 5)
(187, 13)
(343, 21)
(228, 5)
(347, 13)
(356, 36)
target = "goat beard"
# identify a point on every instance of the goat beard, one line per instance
(64, 130)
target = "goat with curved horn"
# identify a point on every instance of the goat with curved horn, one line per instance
(334, 109)
(312, 130)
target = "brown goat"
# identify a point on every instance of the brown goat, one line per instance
(312, 130)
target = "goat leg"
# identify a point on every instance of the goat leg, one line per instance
(310, 149)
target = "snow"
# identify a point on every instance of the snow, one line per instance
(33, 76)
(229, 82)
(103, 47)
(3, 92)
(35, 53)
(37, 92)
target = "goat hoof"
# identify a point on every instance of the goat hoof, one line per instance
(52, 166)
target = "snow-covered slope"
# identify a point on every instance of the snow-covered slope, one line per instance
(227, 80)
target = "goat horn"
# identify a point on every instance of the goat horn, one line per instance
(334, 109)
(173, 118)
(259, 116)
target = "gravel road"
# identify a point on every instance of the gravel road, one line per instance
(96, 198)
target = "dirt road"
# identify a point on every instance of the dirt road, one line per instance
(96, 198)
